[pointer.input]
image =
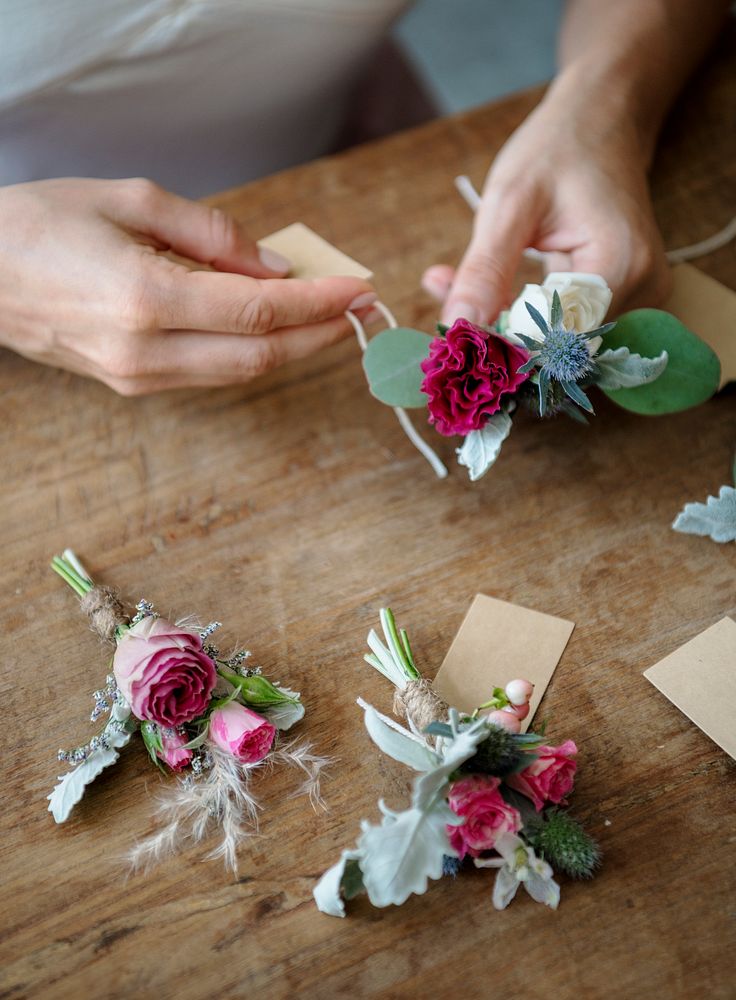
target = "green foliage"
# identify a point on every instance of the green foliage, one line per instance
(257, 691)
(563, 842)
(391, 364)
(693, 370)
(620, 369)
(351, 883)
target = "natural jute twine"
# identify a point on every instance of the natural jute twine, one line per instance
(419, 702)
(104, 610)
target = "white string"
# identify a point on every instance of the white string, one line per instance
(401, 415)
(714, 242)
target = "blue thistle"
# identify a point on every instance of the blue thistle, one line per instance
(451, 866)
(564, 355)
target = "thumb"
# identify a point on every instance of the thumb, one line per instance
(191, 229)
(483, 282)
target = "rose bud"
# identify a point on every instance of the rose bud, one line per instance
(173, 752)
(241, 732)
(507, 720)
(519, 691)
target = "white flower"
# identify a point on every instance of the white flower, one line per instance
(518, 865)
(585, 299)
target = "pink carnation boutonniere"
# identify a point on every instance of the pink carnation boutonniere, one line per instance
(212, 719)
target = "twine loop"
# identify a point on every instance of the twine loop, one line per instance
(104, 610)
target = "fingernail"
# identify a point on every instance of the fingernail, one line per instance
(274, 261)
(437, 288)
(363, 300)
(461, 310)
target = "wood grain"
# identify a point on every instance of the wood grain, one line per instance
(291, 510)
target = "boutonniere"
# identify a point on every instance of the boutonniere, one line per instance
(485, 794)
(211, 719)
(544, 355)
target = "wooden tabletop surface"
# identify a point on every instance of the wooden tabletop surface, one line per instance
(292, 510)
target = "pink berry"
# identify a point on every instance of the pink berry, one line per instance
(508, 720)
(519, 691)
(521, 711)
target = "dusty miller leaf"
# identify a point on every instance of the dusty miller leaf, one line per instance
(715, 518)
(71, 786)
(328, 892)
(620, 369)
(399, 743)
(480, 449)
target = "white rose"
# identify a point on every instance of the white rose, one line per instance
(585, 299)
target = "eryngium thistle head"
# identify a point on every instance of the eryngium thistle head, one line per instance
(451, 866)
(564, 354)
(563, 843)
(497, 754)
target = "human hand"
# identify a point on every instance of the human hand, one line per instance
(571, 182)
(84, 285)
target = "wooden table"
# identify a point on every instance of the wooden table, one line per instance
(292, 509)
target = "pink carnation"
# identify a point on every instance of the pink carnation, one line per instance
(487, 815)
(467, 373)
(163, 672)
(550, 778)
(241, 732)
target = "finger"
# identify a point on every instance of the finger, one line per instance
(227, 303)
(193, 230)
(437, 281)
(503, 228)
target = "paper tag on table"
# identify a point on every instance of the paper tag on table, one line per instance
(700, 679)
(707, 308)
(312, 256)
(496, 643)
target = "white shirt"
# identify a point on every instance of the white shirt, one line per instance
(197, 94)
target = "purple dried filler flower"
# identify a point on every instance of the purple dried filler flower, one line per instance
(467, 374)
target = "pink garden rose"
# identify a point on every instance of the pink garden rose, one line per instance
(173, 753)
(487, 815)
(550, 777)
(241, 732)
(467, 373)
(163, 672)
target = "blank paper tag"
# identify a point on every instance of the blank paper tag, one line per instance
(496, 643)
(311, 256)
(707, 308)
(700, 678)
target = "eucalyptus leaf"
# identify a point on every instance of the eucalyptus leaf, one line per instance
(480, 449)
(392, 362)
(715, 518)
(620, 369)
(693, 370)
(399, 743)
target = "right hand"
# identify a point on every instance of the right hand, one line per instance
(85, 285)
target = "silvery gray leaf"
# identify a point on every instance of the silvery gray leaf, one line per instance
(480, 449)
(620, 369)
(715, 518)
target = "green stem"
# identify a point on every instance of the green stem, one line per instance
(392, 636)
(79, 585)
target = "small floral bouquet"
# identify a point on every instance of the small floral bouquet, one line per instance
(485, 792)
(544, 354)
(206, 717)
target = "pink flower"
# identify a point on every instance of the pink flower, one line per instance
(163, 672)
(467, 373)
(550, 777)
(243, 733)
(487, 815)
(173, 752)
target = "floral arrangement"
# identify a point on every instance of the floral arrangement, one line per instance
(544, 354)
(485, 792)
(210, 719)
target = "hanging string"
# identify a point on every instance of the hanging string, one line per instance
(471, 197)
(401, 415)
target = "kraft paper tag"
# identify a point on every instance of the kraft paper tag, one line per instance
(496, 643)
(707, 308)
(700, 679)
(311, 255)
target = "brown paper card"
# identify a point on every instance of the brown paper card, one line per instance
(700, 678)
(707, 308)
(311, 256)
(496, 643)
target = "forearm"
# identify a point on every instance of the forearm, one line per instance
(633, 56)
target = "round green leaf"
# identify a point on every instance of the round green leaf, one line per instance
(693, 372)
(391, 363)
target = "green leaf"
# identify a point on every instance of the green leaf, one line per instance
(480, 449)
(543, 386)
(151, 735)
(351, 882)
(537, 317)
(620, 369)
(556, 313)
(693, 372)
(391, 364)
(257, 691)
(715, 518)
(577, 395)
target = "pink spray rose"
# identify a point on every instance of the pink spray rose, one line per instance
(173, 752)
(241, 732)
(487, 814)
(467, 373)
(163, 672)
(550, 777)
